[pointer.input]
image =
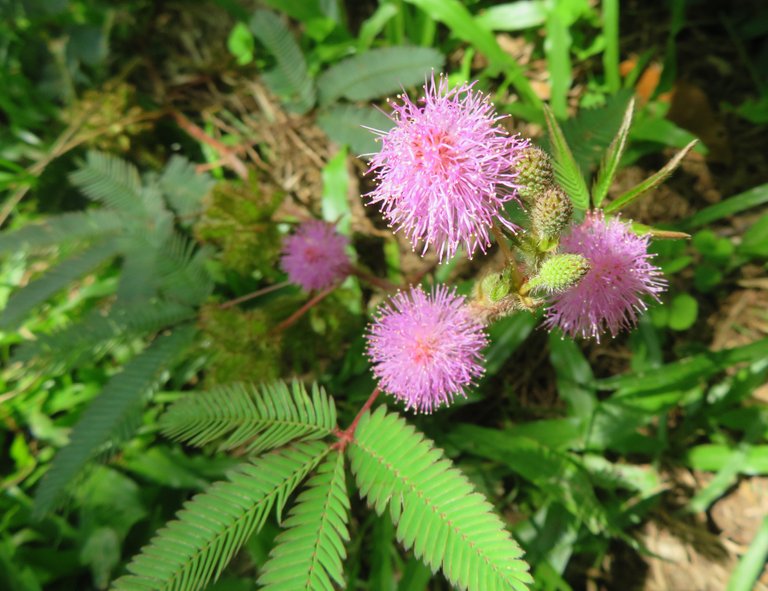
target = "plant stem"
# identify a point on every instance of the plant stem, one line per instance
(293, 318)
(517, 277)
(372, 279)
(254, 294)
(346, 436)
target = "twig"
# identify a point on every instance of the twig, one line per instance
(227, 154)
(346, 436)
(254, 294)
(372, 279)
(293, 318)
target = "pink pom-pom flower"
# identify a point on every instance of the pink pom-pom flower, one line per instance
(611, 295)
(445, 169)
(314, 256)
(426, 348)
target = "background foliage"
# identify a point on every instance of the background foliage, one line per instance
(152, 156)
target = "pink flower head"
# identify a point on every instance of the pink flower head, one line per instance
(314, 256)
(445, 169)
(425, 348)
(610, 296)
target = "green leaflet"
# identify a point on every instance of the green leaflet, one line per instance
(435, 508)
(111, 416)
(264, 418)
(110, 181)
(377, 72)
(651, 182)
(612, 158)
(66, 227)
(193, 550)
(309, 554)
(289, 79)
(567, 172)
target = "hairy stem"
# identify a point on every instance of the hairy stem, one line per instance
(346, 436)
(254, 294)
(293, 318)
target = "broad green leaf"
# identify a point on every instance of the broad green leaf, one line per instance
(507, 334)
(683, 312)
(454, 15)
(513, 16)
(567, 171)
(240, 43)
(610, 164)
(373, 25)
(728, 207)
(335, 201)
(651, 182)
(752, 563)
(557, 48)
(611, 53)
(574, 376)
(378, 72)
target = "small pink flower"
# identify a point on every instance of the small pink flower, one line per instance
(610, 296)
(445, 169)
(314, 256)
(425, 348)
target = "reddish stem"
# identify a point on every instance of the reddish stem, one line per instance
(254, 294)
(293, 318)
(346, 436)
(372, 279)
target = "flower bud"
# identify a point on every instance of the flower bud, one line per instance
(550, 214)
(559, 273)
(534, 173)
(495, 287)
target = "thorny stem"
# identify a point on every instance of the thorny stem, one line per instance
(253, 294)
(293, 318)
(346, 436)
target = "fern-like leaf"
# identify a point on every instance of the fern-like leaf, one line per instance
(309, 554)
(97, 332)
(183, 187)
(435, 508)
(55, 279)
(194, 549)
(350, 124)
(111, 181)
(67, 227)
(290, 78)
(377, 72)
(263, 418)
(112, 416)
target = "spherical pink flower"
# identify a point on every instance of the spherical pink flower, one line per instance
(445, 169)
(314, 256)
(425, 348)
(610, 296)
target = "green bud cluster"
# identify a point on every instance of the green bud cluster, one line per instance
(495, 287)
(559, 273)
(534, 173)
(550, 215)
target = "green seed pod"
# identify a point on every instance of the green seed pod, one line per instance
(550, 214)
(534, 173)
(559, 273)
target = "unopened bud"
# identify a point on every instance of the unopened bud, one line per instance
(495, 286)
(550, 214)
(559, 273)
(534, 173)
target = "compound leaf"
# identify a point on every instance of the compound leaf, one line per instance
(240, 414)
(436, 510)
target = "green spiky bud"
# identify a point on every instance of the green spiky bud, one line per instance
(559, 273)
(550, 215)
(534, 173)
(495, 286)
